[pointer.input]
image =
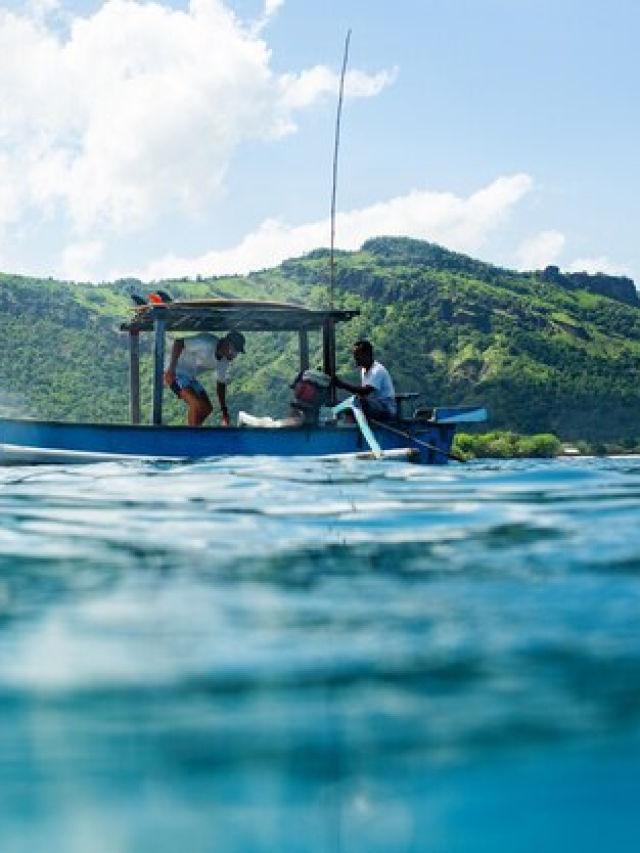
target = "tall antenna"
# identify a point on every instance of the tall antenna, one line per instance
(332, 270)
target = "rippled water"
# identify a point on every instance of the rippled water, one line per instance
(295, 655)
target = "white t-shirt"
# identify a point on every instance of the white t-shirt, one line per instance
(199, 355)
(383, 394)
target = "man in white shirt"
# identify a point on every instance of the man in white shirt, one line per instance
(194, 355)
(377, 394)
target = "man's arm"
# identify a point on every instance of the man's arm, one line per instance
(176, 352)
(221, 390)
(360, 390)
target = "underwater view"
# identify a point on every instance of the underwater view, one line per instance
(311, 655)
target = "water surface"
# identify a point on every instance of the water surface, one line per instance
(297, 655)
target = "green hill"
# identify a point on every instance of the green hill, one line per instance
(545, 351)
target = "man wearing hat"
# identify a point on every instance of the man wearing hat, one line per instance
(194, 355)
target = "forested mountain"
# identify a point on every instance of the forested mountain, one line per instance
(545, 351)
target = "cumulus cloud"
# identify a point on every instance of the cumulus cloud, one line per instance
(463, 224)
(137, 109)
(10, 193)
(600, 264)
(541, 250)
(547, 248)
(79, 259)
(271, 7)
(301, 90)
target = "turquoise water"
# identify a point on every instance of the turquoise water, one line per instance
(296, 655)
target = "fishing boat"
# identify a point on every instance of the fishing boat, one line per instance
(340, 429)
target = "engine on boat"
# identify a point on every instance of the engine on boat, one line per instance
(310, 392)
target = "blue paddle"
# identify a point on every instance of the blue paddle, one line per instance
(350, 404)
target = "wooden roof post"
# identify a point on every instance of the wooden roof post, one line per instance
(158, 366)
(303, 340)
(329, 352)
(134, 374)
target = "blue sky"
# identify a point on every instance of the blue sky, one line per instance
(162, 139)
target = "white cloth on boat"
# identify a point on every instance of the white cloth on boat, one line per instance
(383, 395)
(245, 419)
(199, 355)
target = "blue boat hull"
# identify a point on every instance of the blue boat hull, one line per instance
(30, 441)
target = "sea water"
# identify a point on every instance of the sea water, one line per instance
(301, 655)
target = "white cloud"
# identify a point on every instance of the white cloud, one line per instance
(301, 90)
(39, 9)
(10, 193)
(463, 224)
(541, 250)
(79, 259)
(547, 247)
(600, 264)
(271, 7)
(136, 110)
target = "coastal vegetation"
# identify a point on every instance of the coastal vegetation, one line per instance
(554, 356)
(497, 444)
(506, 445)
